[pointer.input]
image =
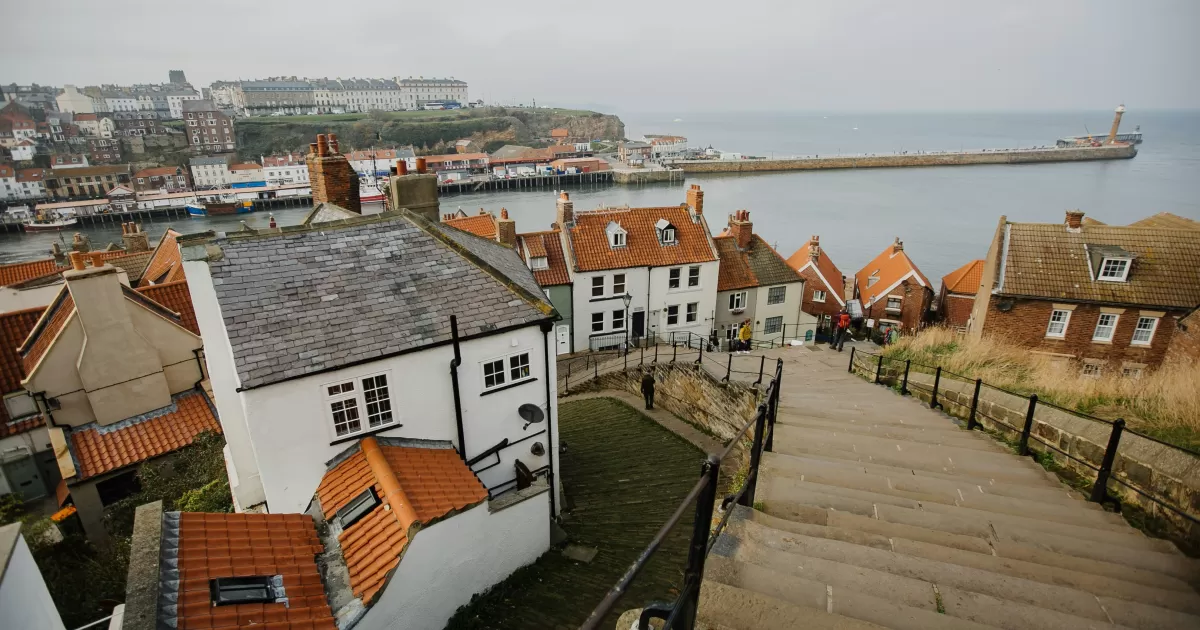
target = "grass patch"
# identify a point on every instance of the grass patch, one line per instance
(1164, 403)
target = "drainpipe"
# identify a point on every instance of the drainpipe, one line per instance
(547, 328)
(45, 408)
(646, 317)
(199, 366)
(454, 364)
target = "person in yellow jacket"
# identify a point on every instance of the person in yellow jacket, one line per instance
(744, 337)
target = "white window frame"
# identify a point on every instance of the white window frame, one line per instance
(1091, 370)
(616, 239)
(692, 312)
(1103, 274)
(618, 319)
(767, 324)
(674, 278)
(670, 314)
(358, 394)
(538, 263)
(818, 296)
(668, 236)
(693, 276)
(601, 322)
(618, 283)
(599, 285)
(782, 294)
(1153, 329)
(737, 301)
(887, 305)
(1066, 322)
(511, 368)
(1112, 328)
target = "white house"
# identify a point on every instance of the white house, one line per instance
(23, 150)
(24, 599)
(285, 169)
(210, 172)
(74, 101)
(756, 285)
(663, 259)
(175, 101)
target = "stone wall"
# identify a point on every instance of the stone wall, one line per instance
(898, 161)
(635, 177)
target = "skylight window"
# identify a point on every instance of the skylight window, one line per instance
(357, 508)
(1114, 269)
(254, 589)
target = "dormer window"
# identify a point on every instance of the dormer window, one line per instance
(1114, 269)
(616, 235)
(666, 232)
(538, 263)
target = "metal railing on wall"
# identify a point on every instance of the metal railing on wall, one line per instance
(680, 613)
(872, 366)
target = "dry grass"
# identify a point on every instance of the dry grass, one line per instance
(1164, 403)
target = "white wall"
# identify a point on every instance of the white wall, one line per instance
(32, 441)
(291, 430)
(705, 294)
(449, 562)
(13, 299)
(24, 599)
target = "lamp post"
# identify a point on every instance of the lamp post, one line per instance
(627, 299)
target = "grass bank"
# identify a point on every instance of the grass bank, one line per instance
(1164, 403)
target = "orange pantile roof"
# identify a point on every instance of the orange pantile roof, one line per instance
(175, 297)
(1165, 220)
(166, 262)
(426, 484)
(483, 224)
(454, 157)
(241, 545)
(889, 268)
(245, 166)
(100, 449)
(22, 271)
(546, 244)
(46, 330)
(964, 280)
(590, 249)
(160, 171)
(825, 267)
(14, 328)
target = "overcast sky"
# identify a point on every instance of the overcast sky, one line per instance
(693, 55)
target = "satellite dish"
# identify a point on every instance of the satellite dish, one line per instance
(1004, 306)
(531, 413)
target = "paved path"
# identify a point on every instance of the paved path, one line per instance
(875, 511)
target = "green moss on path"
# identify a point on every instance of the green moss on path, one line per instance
(623, 475)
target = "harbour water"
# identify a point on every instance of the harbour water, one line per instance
(945, 216)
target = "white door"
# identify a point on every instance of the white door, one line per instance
(564, 338)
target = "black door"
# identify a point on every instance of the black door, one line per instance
(639, 324)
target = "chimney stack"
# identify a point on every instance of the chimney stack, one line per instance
(695, 199)
(416, 191)
(81, 243)
(1074, 220)
(77, 261)
(897, 246)
(60, 258)
(134, 238)
(330, 175)
(814, 248)
(565, 212)
(741, 228)
(506, 230)
(420, 166)
(401, 167)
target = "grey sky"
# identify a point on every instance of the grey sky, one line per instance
(645, 54)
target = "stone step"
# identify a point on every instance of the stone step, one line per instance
(851, 406)
(977, 607)
(846, 600)
(724, 607)
(905, 481)
(872, 426)
(862, 530)
(972, 498)
(1021, 479)
(883, 437)
(1054, 597)
(1167, 563)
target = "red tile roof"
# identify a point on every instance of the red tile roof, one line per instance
(245, 166)
(235, 545)
(483, 224)
(426, 485)
(46, 330)
(175, 297)
(31, 175)
(22, 271)
(14, 328)
(166, 265)
(367, 156)
(288, 160)
(964, 280)
(549, 245)
(6, 170)
(889, 267)
(825, 268)
(84, 117)
(454, 157)
(100, 449)
(591, 251)
(160, 171)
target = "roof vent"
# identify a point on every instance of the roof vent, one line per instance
(254, 589)
(357, 508)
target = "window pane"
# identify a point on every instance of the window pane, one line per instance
(776, 295)
(493, 373)
(597, 286)
(379, 402)
(693, 308)
(693, 276)
(673, 278)
(1104, 327)
(1058, 323)
(672, 315)
(774, 325)
(519, 366)
(1144, 331)
(618, 284)
(618, 320)
(345, 416)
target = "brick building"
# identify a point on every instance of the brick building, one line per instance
(209, 130)
(957, 295)
(163, 178)
(139, 123)
(824, 284)
(893, 290)
(90, 181)
(1109, 297)
(104, 150)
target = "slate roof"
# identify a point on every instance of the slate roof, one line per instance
(890, 267)
(590, 249)
(834, 284)
(1045, 260)
(431, 478)
(964, 280)
(548, 244)
(305, 299)
(133, 264)
(15, 326)
(759, 266)
(196, 547)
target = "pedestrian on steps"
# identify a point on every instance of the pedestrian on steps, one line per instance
(648, 388)
(744, 337)
(841, 330)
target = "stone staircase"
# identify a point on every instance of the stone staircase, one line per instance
(875, 511)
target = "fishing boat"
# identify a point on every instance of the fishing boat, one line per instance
(216, 208)
(50, 222)
(369, 192)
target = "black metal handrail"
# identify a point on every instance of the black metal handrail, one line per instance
(680, 613)
(1099, 492)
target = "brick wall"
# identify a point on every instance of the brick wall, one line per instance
(812, 282)
(1185, 342)
(954, 309)
(331, 177)
(1025, 324)
(914, 304)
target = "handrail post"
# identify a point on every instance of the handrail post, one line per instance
(971, 423)
(878, 368)
(674, 348)
(698, 548)
(700, 358)
(642, 356)
(850, 368)
(904, 384)
(772, 413)
(596, 366)
(627, 359)
(760, 424)
(729, 367)
(1024, 446)
(937, 381)
(656, 352)
(1100, 490)
(762, 362)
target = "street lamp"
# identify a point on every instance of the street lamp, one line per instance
(626, 299)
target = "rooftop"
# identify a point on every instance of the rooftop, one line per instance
(400, 275)
(245, 166)
(829, 273)
(165, 265)
(176, 297)
(546, 244)
(758, 266)
(590, 248)
(160, 171)
(964, 280)
(15, 326)
(482, 225)
(888, 269)
(86, 171)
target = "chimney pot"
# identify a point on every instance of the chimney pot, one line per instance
(564, 196)
(77, 261)
(897, 246)
(420, 166)
(503, 213)
(312, 148)
(97, 259)
(322, 145)
(333, 143)
(401, 167)
(1074, 219)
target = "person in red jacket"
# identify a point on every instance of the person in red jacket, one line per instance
(841, 330)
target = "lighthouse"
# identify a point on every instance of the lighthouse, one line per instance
(1112, 134)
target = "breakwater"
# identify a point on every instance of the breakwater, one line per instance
(910, 160)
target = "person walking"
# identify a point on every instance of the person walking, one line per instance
(648, 388)
(842, 330)
(744, 337)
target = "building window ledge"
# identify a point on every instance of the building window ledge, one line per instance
(1102, 342)
(511, 385)
(363, 434)
(601, 299)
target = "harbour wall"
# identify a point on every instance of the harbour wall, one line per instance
(1016, 156)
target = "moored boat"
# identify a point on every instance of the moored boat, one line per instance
(216, 208)
(50, 224)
